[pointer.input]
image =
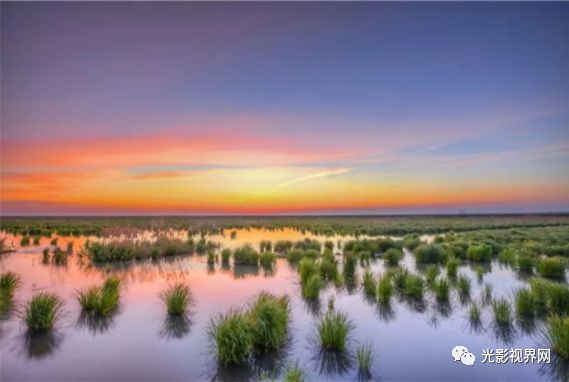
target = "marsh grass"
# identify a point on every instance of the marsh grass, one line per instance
(384, 290)
(430, 254)
(306, 268)
(364, 356)
(463, 285)
(9, 282)
(475, 313)
(246, 255)
(502, 312)
(329, 267)
(553, 268)
(231, 334)
(431, 273)
(293, 373)
(311, 288)
(53, 241)
(269, 318)
(211, 258)
(414, 287)
(349, 269)
(557, 335)
(177, 299)
(369, 283)
(334, 330)
(452, 266)
(45, 256)
(442, 290)
(525, 303)
(225, 256)
(486, 294)
(550, 297)
(268, 259)
(59, 257)
(479, 270)
(296, 255)
(42, 311)
(101, 300)
(25, 241)
(393, 256)
(525, 263)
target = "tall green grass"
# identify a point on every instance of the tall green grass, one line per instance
(246, 255)
(384, 289)
(442, 290)
(364, 356)
(268, 259)
(334, 329)
(452, 266)
(557, 335)
(430, 253)
(525, 303)
(311, 288)
(414, 287)
(525, 263)
(42, 311)
(393, 256)
(269, 318)
(101, 300)
(553, 268)
(177, 299)
(475, 313)
(294, 373)
(463, 285)
(231, 334)
(550, 297)
(9, 282)
(480, 252)
(502, 312)
(369, 283)
(225, 256)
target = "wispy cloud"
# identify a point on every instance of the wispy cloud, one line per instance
(320, 174)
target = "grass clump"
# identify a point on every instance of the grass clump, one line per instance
(25, 241)
(369, 283)
(225, 255)
(294, 373)
(392, 256)
(211, 258)
(177, 299)
(550, 297)
(475, 313)
(553, 268)
(246, 255)
(502, 312)
(431, 274)
(306, 268)
(442, 290)
(231, 334)
(311, 289)
(480, 252)
(452, 266)
(334, 329)
(364, 355)
(463, 285)
(102, 300)
(430, 253)
(557, 335)
(269, 318)
(268, 259)
(42, 311)
(384, 290)
(414, 286)
(59, 256)
(296, 255)
(525, 263)
(350, 263)
(329, 267)
(9, 282)
(525, 303)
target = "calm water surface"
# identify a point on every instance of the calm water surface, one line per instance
(410, 342)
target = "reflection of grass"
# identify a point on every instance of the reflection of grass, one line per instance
(40, 344)
(176, 326)
(42, 311)
(177, 299)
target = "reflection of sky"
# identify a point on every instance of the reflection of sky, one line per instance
(284, 108)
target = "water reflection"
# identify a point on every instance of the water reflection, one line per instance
(385, 311)
(176, 327)
(244, 271)
(332, 363)
(41, 344)
(96, 323)
(556, 370)
(505, 333)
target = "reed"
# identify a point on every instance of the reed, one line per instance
(369, 283)
(334, 329)
(177, 299)
(42, 311)
(231, 335)
(269, 318)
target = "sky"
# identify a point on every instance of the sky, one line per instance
(284, 108)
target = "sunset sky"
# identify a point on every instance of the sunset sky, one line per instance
(284, 108)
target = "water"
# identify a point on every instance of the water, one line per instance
(409, 342)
